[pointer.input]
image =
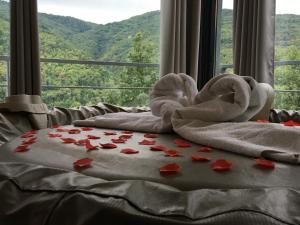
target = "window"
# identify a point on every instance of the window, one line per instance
(4, 48)
(94, 51)
(226, 40)
(287, 50)
(287, 54)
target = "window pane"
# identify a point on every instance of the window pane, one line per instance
(4, 47)
(287, 54)
(226, 34)
(103, 31)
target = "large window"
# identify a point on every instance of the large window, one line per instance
(287, 54)
(4, 48)
(94, 51)
(287, 50)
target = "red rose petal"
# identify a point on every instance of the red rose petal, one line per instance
(118, 141)
(108, 145)
(62, 130)
(29, 134)
(151, 135)
(82, 163)
(172, 153)
(290, 123)
(125, 136)
(205, 149)
(86, 128)
(55, 126)
(54, 135)
(169, 168)
(262, 121)
(82, 142)
(184, 145)
(68, 140)
(74, 131)
(129, 151)
(29, 141)
(176, 141)
(221, 165)
(22, 148)
(199, 158)
(89, 146)
(147, 142)
(264, 163)
(158, 148)
(126, 132)
(92, 137)
(109, 133)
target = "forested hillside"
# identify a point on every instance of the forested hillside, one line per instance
(133, 40)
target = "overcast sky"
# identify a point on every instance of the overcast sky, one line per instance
(105, 11)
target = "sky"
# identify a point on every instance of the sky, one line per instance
(106, 11)
(98, 11)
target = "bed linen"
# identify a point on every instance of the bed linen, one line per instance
(42, 185)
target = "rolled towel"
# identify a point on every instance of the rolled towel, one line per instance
(171, 92)
(227, 98)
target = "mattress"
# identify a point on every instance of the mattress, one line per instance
(42, 184)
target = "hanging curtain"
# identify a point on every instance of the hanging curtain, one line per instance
(24, 48)
(180, 33)
(253, 35)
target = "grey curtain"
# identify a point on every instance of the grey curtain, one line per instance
(180, 34)
(24, 49)
(254, 27)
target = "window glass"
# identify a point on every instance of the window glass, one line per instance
(4, 47)
(287, 54)
(95, 50)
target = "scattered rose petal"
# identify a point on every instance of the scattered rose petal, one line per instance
(92, 137)
(86, 128)
(221, 165)
(109, 133)
(22, 148)
(262, 121)
(158, 148)
(205, 149)
(68, 140)
(54, 135)
(108, 145)
(184, 145)
(82, 163)
(129, 151)
(82, 142)
(125, 136)
(55, 126)
(89, 146)
(169, 168)
(151, 135)
(199, 158)
(176, 141)
(29, 141)
(62, 130)
(172, 153)
(264, 163)
(290, 123)
(118, 141)
(74, 131)
(29, 134)
(147, 142)
(126, 132)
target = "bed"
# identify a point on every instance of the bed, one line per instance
(42, 186)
